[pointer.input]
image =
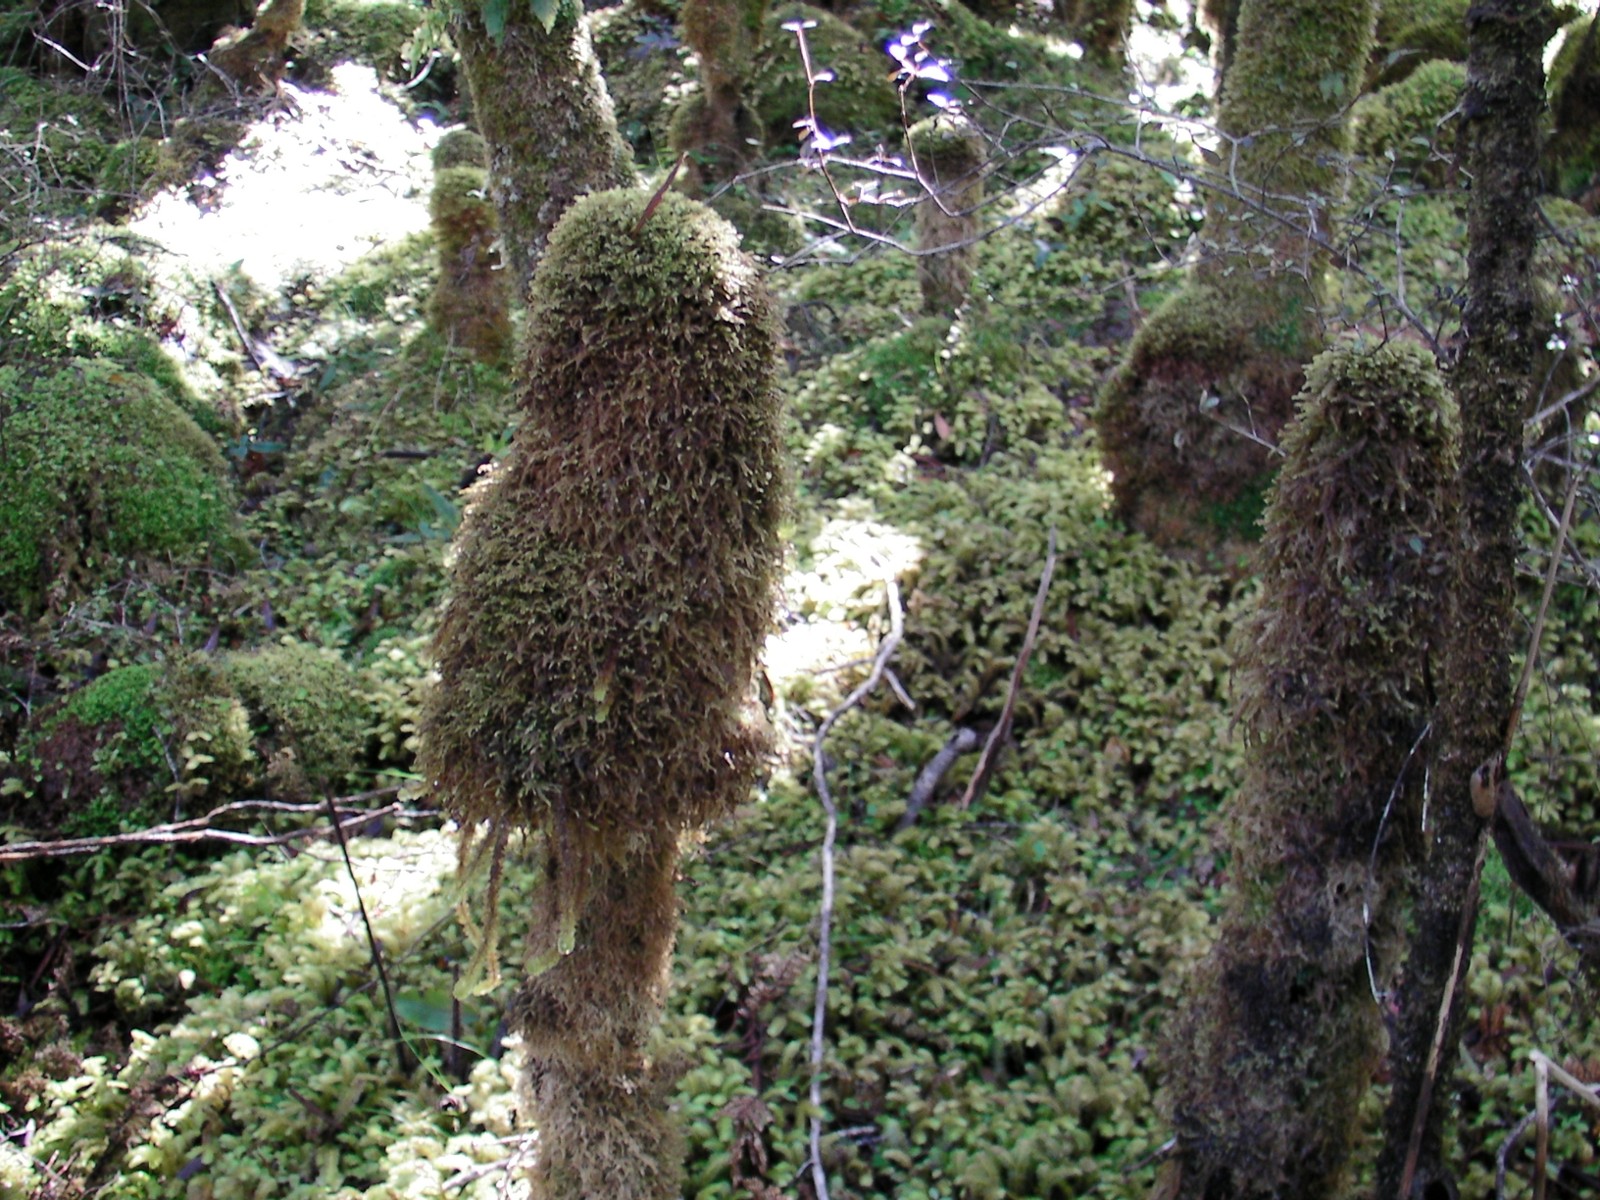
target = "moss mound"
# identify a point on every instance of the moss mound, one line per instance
(1405, 122)
(309, 714)
(1412, 32)
(128, 749)
(102, 472)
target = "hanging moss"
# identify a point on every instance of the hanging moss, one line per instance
(948, 153)
(1269, 1063)
(101, 471)
(613, 584)
(468, 306)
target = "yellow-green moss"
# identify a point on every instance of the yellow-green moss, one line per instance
(369, 31)
(1412, 32)
(102, 471)
(1405, 123)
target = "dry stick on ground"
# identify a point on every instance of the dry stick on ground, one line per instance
(997, 737)
(819, 771)
(200, 829)
(1487, 783)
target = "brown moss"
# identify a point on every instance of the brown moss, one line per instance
(1269, 1064)
(948, 153)
(613, 584)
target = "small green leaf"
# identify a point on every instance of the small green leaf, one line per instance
(546, 11)
(494, 18)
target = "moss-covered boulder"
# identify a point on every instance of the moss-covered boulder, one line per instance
(612, 587)
(101, 473)
(468, 307)
(127, 750)
(308, 713)
(1407, 123)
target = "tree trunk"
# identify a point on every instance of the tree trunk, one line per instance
(1505, 94)
(542, 107)
(1227, 353)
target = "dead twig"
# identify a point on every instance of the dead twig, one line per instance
(202, 829)
(1002, 729)
(962, 742)
(819, 1016)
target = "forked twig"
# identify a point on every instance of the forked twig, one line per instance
(819, 770)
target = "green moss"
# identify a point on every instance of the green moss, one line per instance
(948, 156)
(308, 712)
(368, 31)
(128, 748)
(469, 304)
(102, 471)
(1412, 32)
(1404, 123)
(645, 66)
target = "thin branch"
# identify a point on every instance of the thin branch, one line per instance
(819, 1017)
(1002, 729)
(201, 829)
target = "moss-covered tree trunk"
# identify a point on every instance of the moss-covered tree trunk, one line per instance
(542, 107)
(1268, 1065)
(612, 587)
(1211, 377)
(1493, 380)
(468, 306)
(948, 152)
(715, 126)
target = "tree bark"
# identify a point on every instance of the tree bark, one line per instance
(542, 107)
(1505, 94)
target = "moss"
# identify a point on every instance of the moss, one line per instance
(613, 584)
(1412, 32)
(948, 155)
(1101, 26)
(1572, 152)
(861, 98)
(129, 747)
(369, 31)
(1201, 368)
(308, 712)
(468, 306)
(645, 67)
(1334, 691)
(101, 472)
(716, 126)
(1405, 123)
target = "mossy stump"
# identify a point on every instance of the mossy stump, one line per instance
(613, 584)
(715, 126)
(948, 154)
(468, 307)
(1268, 1066)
